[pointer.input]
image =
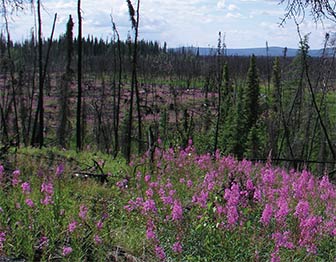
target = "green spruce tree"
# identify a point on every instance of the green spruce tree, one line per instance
(251, 95)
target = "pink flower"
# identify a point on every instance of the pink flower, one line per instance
(26, 188)
(2, 239)
(177, 211)
(177, 247)
(147, 178)
(249, 185)
(97, 240)
(159, 251)
(59, 170)
(72, 226)
(16, 172)
(302, 209)
(266, 215)
(149, 206)
(29, 202)
(149, 192)
(99, 225)
(2, 171)
(150, 234)
(66, 251)
(47, 188)
(47, 200)
(83, 210)
(282, 211)
(44, 241)
(15, 179)
(282, 240)
(189, 183)
(232, 215)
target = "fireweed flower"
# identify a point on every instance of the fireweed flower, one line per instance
(177, 211)
(59, 170)
(150, 234)
(283, 240)
(26, 188)
(72, 226)
(266, 215)
(29, 202)
(83, 210)
(302, 209)
(47, 188)
(15, 179)
(47, 200)
(66, 251)
(44, 242)
(99, 224)
(177, 247)
(159, 251)
(97, 240)
(147, 178)
(149, 206)
(2, 171)
(2, 239)
(283, 210)
(149, 192)
(232, 215)
(309, 229)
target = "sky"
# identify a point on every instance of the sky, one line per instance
(244, 23)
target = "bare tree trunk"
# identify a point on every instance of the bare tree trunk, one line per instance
(116, 93)
(79, 87)
(39, 117)
(41, 98)
(135, 54)
(11, 71)
(134, 88)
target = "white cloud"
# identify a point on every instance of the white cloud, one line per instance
(179, 22)
(232, 7)
(221, 4)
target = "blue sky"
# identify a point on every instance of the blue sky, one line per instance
(245, 23)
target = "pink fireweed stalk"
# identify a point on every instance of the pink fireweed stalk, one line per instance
(99, 225)
(160, 253)
(29, 202)
(43, 243)
(283, 210)
(177, 247)
(97, 240)
(47, 188)
(59, 170)
(25, 188)
(266, 215)
(177, 211)
(2, 239)
(15, 179)
(83, 210)
(149, 206)
(2, 172)
(66, 251)
(283, 240)
(309, 228)
(72, 226)
(302, 209)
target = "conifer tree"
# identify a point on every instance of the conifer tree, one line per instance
(251, 95)
(276, 79)
(64, 124)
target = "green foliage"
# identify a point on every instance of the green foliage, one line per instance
(251, 95)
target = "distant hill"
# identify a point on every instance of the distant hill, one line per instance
(272, 51)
